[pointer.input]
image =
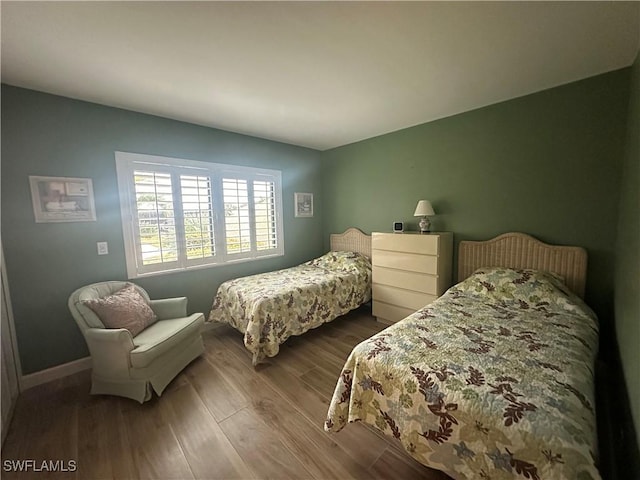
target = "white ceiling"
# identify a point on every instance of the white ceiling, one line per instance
(316, 74)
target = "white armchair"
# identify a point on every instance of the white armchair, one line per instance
(132, 366)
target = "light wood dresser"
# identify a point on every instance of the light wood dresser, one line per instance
(410, 270)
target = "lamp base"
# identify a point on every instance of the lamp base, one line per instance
(425, 225)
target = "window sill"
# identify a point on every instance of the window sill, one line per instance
(202, 267)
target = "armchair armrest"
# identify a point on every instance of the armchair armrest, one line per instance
(169, 307)
(110, 350)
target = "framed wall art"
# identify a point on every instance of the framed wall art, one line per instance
(303, 204)
(62, 199)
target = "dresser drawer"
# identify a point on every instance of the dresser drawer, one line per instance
(405, 261)
(419, 282)
(406, 242)
(401, 297)
(390, 313)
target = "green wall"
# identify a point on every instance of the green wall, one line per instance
(627, 279)
(54, 136)
(547, 164)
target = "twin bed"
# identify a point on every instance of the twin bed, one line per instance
(493, 380)
(271, 307)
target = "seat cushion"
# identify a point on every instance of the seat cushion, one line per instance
(162, 336)
(125, 308)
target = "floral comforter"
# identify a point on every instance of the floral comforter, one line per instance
(493, 380)
(270, 307)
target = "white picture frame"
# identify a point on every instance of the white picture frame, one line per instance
(62, 199)
(303, 204)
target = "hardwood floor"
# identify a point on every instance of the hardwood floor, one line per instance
(219, 419)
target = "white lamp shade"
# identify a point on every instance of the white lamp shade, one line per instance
(424, 209)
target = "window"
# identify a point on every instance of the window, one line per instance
(179, 214)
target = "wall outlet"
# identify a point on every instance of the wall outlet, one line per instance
(103, 248)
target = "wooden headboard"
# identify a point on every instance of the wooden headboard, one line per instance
(519, 250)
(352, 240)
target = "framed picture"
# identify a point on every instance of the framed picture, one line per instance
(62, 199)
(303, 204)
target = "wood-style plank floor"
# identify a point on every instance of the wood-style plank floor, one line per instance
(219, 419)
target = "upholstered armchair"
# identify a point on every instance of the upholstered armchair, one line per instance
(137, 345)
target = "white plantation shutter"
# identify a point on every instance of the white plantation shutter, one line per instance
(155, 218)
(251, 218)
(179, 214)
(197, 216)
(237, 219)
(264, 200)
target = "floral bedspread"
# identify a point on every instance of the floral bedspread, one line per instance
(270, 307)
(493, 380)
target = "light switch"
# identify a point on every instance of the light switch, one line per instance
(103, 248)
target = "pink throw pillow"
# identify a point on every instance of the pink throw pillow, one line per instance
(126, 308)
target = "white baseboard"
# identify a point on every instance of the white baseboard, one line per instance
(43, 376)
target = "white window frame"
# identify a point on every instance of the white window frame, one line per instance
(127, 163)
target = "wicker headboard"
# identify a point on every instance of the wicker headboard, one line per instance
(352, 240)
(518, 250)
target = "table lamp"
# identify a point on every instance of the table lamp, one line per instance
(424, 210)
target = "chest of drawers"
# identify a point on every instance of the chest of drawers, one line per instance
(410, 270)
